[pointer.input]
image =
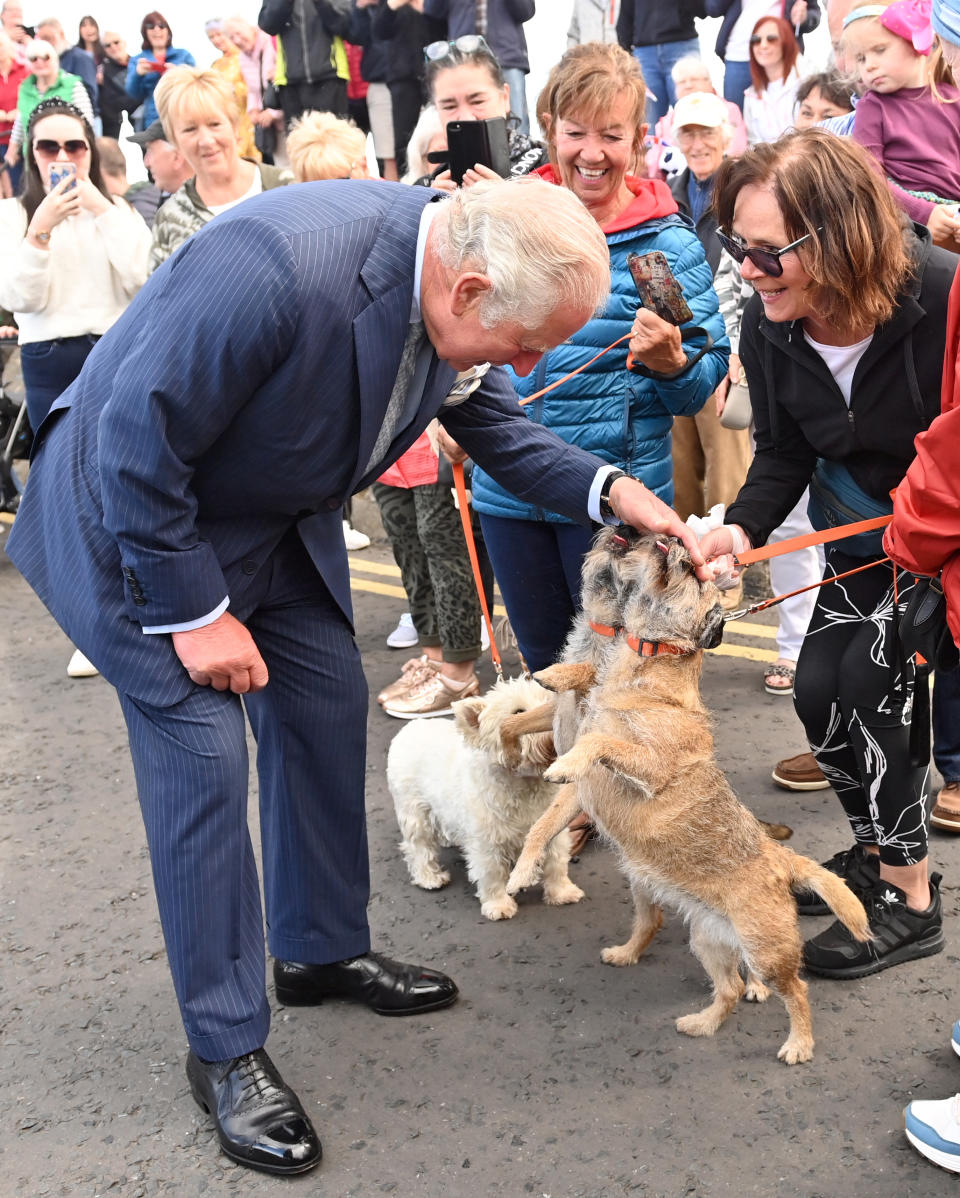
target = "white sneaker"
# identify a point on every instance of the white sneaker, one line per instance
(484, 637)
(353, 538)
(404, 636)
(933, 1128)
(81, 667)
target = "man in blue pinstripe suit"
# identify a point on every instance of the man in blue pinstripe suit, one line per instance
(183, 524)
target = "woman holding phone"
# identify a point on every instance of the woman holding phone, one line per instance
(74, 257)
(146, 69)
(593, 109)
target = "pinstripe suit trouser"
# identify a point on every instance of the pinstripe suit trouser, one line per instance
(192, 773)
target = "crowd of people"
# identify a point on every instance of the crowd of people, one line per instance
(811, 222)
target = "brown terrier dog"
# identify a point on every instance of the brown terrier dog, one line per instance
(643, 769)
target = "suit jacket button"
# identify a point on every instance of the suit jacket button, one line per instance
(139, 601)
(333, 504)
(248, 566)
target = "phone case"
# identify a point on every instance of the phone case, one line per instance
(59, 173)
(659, 290)
(470, 142)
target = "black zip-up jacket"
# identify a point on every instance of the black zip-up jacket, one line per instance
(730, 10)
(706, 226)
(653, 22)
(800, 413)
(307, 29)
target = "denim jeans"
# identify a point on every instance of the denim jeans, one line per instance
(736, 80)
(656, 62)
(517, 82)
(946, 724)
(537, 566)
(49, 367)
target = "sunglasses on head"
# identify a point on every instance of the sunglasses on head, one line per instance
(767, 261)
(47, 148)
(757, 39)
(470, 43)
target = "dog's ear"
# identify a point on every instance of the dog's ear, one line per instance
(711, 634)
(466, 712)
(677, 554)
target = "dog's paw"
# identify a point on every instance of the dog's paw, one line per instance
(499, 908)
(431, 879)
(567, 892)
(698, 1024)
(568, 768)
(795, 1050)
(756, 991)
(526, 873)
(619, 954)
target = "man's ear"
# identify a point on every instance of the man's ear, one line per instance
(468, 290)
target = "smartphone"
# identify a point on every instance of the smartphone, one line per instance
(470, 142)
(64, 170)
(659, 290)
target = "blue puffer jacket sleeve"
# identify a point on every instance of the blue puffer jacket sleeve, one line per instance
(622, 417)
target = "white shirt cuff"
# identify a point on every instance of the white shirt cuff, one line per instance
(189, 625)
(593, 499)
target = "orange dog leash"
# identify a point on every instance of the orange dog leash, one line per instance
(459, 482)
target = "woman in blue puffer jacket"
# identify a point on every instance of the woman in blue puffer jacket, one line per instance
(593, 108)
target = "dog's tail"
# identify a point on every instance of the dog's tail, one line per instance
(808, 875)
(777, 831)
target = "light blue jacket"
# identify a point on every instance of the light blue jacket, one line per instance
(624, 418)
(142, 87)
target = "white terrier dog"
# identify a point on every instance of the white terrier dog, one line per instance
(451, 786)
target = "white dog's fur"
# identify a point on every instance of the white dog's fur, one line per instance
(450, 786)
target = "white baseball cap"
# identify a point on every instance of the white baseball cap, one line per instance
(700, 108)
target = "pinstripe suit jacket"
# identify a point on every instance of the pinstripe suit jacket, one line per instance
(240, 394)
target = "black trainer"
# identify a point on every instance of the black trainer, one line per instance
(858, 868)
(900, 934)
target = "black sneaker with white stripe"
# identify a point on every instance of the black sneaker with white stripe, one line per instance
(900, 934)
(858, 868)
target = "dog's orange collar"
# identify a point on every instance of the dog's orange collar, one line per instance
(643, 648)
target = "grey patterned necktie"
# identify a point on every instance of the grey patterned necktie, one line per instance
(398, 396)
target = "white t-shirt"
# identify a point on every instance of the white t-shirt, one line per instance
(253, 190)
(841, 361)
(738, 44)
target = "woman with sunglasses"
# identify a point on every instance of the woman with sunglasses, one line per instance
(843, 349)
(146, 69)
(74, 256)
(769, 102)
(46, 81)
(465, 83)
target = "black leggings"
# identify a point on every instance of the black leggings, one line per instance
(854, 693)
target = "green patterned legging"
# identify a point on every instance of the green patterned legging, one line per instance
(426, 535)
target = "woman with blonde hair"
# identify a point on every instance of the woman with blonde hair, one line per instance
(200, 116)
(323, 146)
(228, 64)
(843, 347)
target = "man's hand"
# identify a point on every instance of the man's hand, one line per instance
(640, 508)
(222, 655)
(798, 13)
(657, 343)
(449, 448)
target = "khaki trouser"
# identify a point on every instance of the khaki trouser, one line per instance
(709, 461)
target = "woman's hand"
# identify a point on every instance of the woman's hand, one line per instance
(12, 156)
(479, 173)
(944, 227)
(719, 547)
(449, 448)
(734, 377)
(443, 182)
(56, 206)
(720, 395)
(798, 13)
(144, 66)
(657, 343)
(91, 198)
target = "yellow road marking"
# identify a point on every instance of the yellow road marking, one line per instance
(6, 517)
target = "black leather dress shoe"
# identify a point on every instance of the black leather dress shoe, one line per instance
(387, 987)
(259, 1120)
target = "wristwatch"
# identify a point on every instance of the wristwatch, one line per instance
(43, 236)
(606, 511)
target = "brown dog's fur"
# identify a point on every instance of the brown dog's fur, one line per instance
(643, 770)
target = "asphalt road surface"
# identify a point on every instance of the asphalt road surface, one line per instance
(554, 1075)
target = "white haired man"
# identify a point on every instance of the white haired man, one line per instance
(206, 466)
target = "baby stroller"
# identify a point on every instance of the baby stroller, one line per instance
(16, 435)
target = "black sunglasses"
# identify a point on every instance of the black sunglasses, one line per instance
(767, 261)
(50, 149)
(767, 37)
(155, 25)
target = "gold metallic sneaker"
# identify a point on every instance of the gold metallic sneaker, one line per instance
(414, 671)
(432, 696)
